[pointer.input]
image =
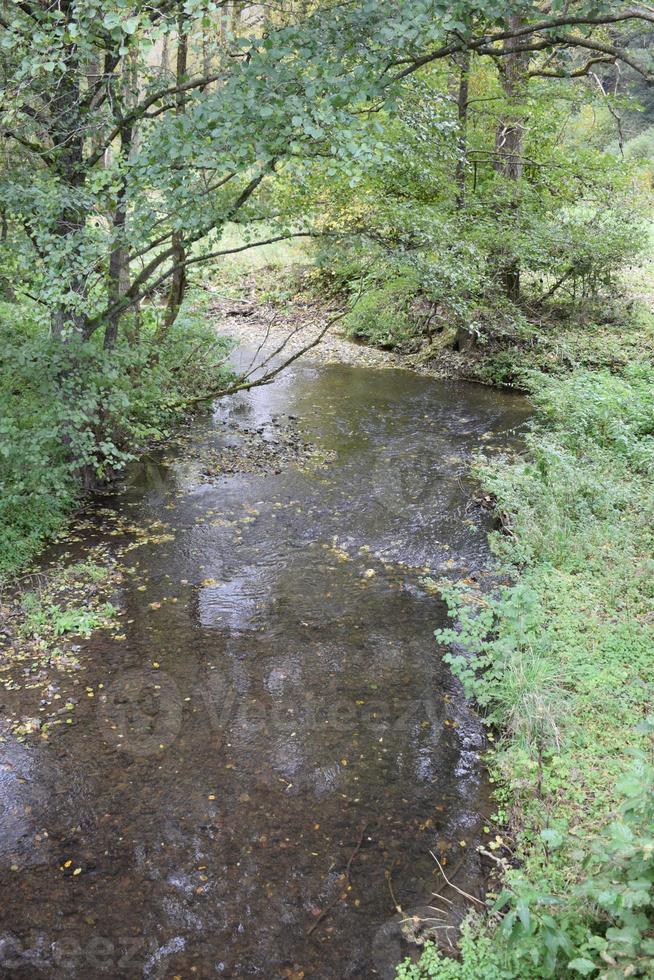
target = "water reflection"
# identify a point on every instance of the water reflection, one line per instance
(278, 704)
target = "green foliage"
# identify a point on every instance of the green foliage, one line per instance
(641, 147)
(74, 412)
(506, 671)
(599, 927)
(571, 222)
(479, 959)
(620, 872)
(51, 619)
(70, 601)
(382, 314)
(560, 661)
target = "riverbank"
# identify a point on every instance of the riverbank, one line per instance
(74, 415)
(561, 661)
(276, 308)
(283, 305)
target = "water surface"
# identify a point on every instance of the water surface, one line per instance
(274, 745)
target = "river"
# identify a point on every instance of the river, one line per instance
(274, 745)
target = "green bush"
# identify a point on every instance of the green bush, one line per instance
(641, 147)
(73, 413)
(479, 960)
(382, 313)
(601, 926)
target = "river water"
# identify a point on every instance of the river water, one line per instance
(274, 746)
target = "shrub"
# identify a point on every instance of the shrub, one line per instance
(382, 315)
(601, 927)
(60, 426)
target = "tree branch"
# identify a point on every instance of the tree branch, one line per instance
(38, 148)
(133, 294)
(139, 111)
(577, 73)
(270, 376)
(485, 43)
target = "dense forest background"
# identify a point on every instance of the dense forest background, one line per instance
(471, 184)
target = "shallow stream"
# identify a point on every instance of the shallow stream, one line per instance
(273, 746)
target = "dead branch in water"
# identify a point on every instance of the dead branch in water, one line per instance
(453, 874)
(325, 912)
(458, 890)
(243, 384)
(388, 874)
(269, 377)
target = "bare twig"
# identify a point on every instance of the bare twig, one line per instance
(458, 890)
(269, 327)
(325, 912)
(453, 873)
(388, 874)
(266, 379)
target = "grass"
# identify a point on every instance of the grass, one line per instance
(565, 340)
(42, 626)
(561, 661)
(68, 601)
(279, 254)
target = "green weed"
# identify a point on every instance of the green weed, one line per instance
(561, 662)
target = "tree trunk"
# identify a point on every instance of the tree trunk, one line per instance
(509, 148)
(178, 280)
(118, 272)
(123, 100)
(68, 317)
(6, 285)
(462, 140)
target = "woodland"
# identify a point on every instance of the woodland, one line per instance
(464, 185)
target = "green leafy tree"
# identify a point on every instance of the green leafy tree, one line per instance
(115, 191)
